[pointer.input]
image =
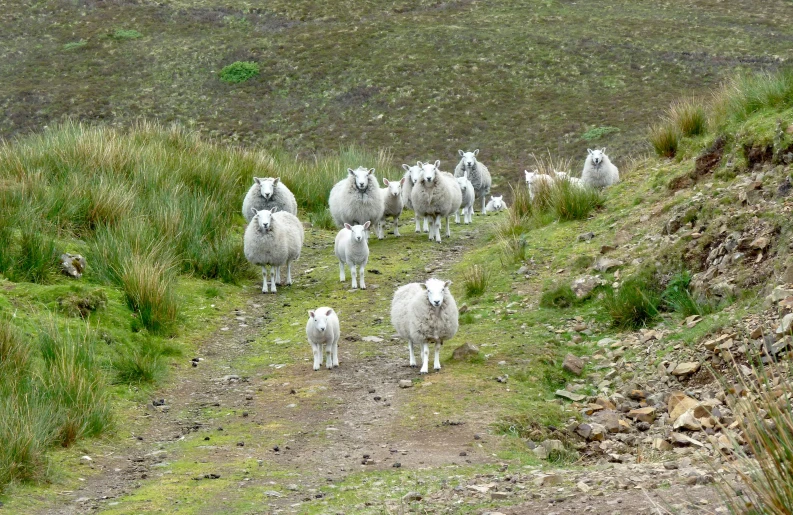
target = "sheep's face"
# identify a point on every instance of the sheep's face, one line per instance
(415, 174)
(498, 202)
(597, 155)
(267, 187)
(468, 159)
(358, 231)
(264, 218)
(436, 291)
(463, 183)
(394, 187)
(360, 177)
(320, 319)
(429, 172)
(530, 176)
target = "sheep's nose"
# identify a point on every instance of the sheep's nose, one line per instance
(321, 328)
(436, 302)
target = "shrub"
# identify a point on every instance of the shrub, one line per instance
(125, 34)
(636, 302)
(665, 139)
(475, 280)
(598, 132)
(559, 297)
(689, 117)
(239, 71)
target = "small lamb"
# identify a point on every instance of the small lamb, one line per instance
(478, 174)
(322, 330)
(272, 239)
(392, 205)
(536, 180)
(436, 196)
(496, 204)
(412, 176)
(352, 249)
(356, 199)
(467, 205)
(599, 172)
(267, 193)
(423, 313)
(562, 176)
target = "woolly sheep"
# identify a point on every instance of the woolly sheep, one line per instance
(467, 205)
(267, 193)
(536, 180)
(423, 313)
(478, 174)
(436, 196)
(496, 204)
(599, 171)
(352, 249)
(356, 199)
(392, 205)
(412, 176)
(575, 181)
(272, 239)
(322, 330)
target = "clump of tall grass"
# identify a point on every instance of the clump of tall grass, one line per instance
(665, 139)
(689, 117)
(559, 297)
(636, 302)
(572, 202)
(747, 94)
(475, 281)
(677, 297)
(139, 364)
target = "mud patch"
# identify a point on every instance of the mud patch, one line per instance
(710, 159)
(757, 155)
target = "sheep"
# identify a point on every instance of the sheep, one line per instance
(392, 205)
(352, 249)
(423, 313)
(267, 193)
(575, 181)
(412, 176)
(599, 171)
(356, 199)
(496, 204)
(467, 205)
(272, 239)
(536, 180)
(322, 330)
(478, 174)
(436, 195)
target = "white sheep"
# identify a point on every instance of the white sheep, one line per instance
(322, 330)
(272, 239)
(436, 196)
(478, 174)
(575, 181)
(412, 176)
(536, 181)
(599, 171)
(496, 204)
(467, 205)
(423, 313)
(352, 249)
(356, 199)
(267, 193)
(392, 205)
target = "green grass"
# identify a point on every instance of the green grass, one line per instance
(596, 133)
(690, 117)
(665, 139)
(476, 280)
(636, 302)
(559, 297)
(125, 34)
(238, 72)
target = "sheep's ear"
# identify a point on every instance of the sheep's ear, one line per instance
(350, 171)
(589, 150)
(347, 226)
(447, 284)
(603, 150)
(461, 153)
(419, 164)
(329, 312)
(423, 286)
(254, 211)
(385, 181)
(371, 171)
(276, 180)
(367, 224)
(257, 180)
(310, 314)
(405, 167)
(402, 181)
(274, 209)
(437, 163)
(476, 152)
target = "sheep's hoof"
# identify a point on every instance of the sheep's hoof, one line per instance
(363, 287)
(412, 365)
(422, 371)
(316, 368)
(437, 369)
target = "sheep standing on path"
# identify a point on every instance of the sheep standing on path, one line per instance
(322, 330)
(599, 172)
(412, 176)
(352, 249)
(478, 174)
(496, 204)
(392, 205)
(467, 204)
(436, 196)
(267, 193)
(272, 239)
(356, 199)
(423, 313)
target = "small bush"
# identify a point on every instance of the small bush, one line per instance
(125, 34)
(665, 139)
(558, 297)
(476, 280)
(598, 132)
(689, 117)
(238, 72)
(636, 302)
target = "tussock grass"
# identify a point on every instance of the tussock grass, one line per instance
(747, 94)
(689, 117)
(476, 280)
(665, 139)
(571, 202)
(678, 298)
(559, 297)
(239, 71)
(636, 302)
(140, 364)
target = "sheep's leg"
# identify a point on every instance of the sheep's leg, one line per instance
(418, 223)
(264, 279)
(336, 352)
(360, 276)
(425, 357)
(329, 356)
(426, 229)
(278, 274)
(483, 204)
(317, 355)
(437, 355)
(457, 216)
(412, 356)
(289, 273)
(273, 273)
(342, 277)
(354, 274)
(438, 226)
(396, 227)
(380, 230)
(448, 223)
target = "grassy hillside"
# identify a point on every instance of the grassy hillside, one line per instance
(422, 77)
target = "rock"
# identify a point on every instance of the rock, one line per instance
(574, 364)
(548, 480)
(687, 421)
(86, 459)
(412, 496)
(552, 445)
(604, 264)
(684, 369)
(583, 286)
(678, 404)
(73, 265)
(759, 243)
(372, 339)
(779, 293)
(784, 325)
(607, 404)
(682, 439)
(604, 249)
(465, 351)
(643, 414)
(540, 452)
(405, 383)
(583, 487)
(575, 397)
(592, 432)
(659, 444)
(587, 236)
(499, 496)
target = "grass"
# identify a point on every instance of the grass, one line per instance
(476, 280)
(239, 71)
(596, 133)
(636, 302)
(665, 139)
(747, 94)
(677, 297)
(689, 117)
(559, 297)
(125, 34)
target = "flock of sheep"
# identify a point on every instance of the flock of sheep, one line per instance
(421, 313)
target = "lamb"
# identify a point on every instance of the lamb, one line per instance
(436, 195)
(599, 172)
(467, 205)
(392, 205)
(322, 330)
(272, 239)
(536, 181)
(562, 176)
(478, 174)
(496, 204)
(412, 176)
(423, 313)
(267, 193)
(356, 199)
(352, 249)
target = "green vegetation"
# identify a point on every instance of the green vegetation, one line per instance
(598, 132)
(689, 117)
(74, 45)
(476, 280)
(559, 297)
(665, 139)
(125, 34)
(238, 72)
(635, 303)
(677, 297)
